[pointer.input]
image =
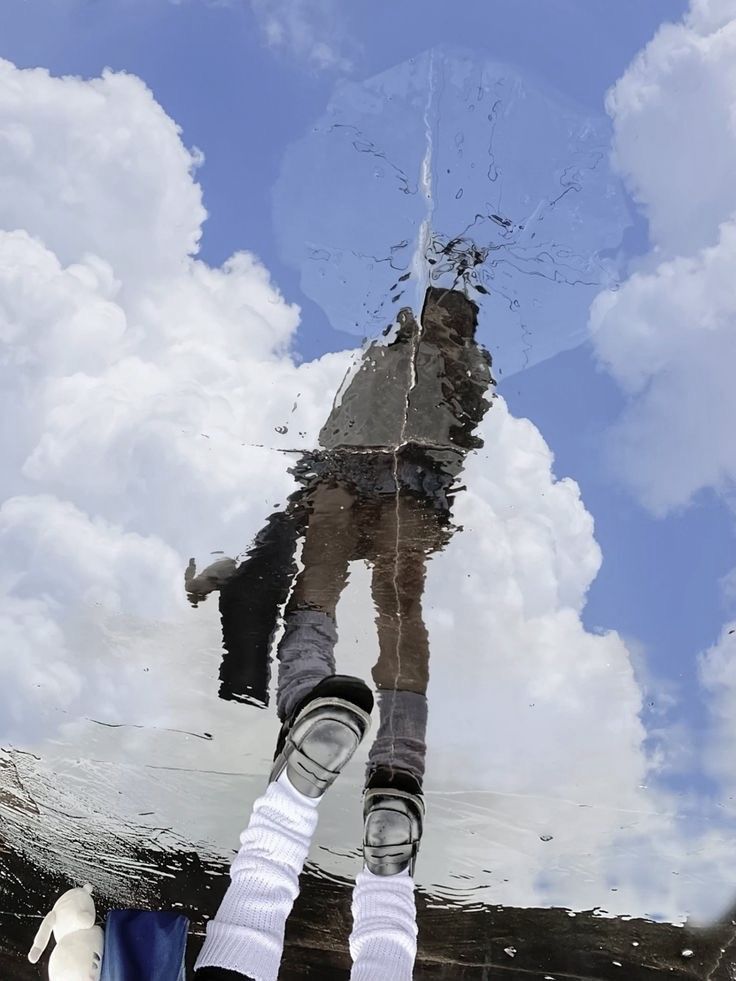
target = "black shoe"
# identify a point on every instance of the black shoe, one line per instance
(322, 733)
(393, 820)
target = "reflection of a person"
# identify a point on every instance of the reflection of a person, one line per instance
(379, 489)
(392, 448)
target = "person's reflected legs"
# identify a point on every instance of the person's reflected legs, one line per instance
(400, 744)
(407, 531)
(306, 650)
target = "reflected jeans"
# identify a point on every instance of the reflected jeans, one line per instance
(395, 534)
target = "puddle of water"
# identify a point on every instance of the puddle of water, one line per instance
(378, 512)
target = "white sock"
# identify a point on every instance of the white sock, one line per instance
(383, 943)
(247, 933)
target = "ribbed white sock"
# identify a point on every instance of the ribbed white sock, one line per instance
(247, 933)
(383, 943)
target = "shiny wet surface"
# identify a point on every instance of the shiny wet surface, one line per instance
(384, 509)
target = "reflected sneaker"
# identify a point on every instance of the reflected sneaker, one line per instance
(322, 733)
(393, 821)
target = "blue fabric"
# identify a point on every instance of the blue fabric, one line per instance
(144, 946)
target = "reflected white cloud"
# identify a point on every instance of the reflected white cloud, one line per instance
(309, 30)
(669, 334)
(66, 145)
(718, 676)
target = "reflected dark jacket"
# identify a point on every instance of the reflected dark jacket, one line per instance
(426, 388)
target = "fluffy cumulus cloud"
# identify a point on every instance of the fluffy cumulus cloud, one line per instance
(308, 30)
(718, 675)
(669, 338)
(139, 385)
(146, 395)
(97, 167)
(710, 15)
(669, 334)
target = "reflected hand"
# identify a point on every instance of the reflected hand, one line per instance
(215, 576)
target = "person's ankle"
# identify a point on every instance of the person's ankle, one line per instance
(283, 781)
(392, 778)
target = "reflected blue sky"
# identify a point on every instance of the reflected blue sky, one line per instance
(301, 166)
(248, 105)
(487, 157)
(255, 112)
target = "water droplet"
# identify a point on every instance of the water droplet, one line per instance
(688, 953)
(546, 837)
(511, 951)
(281, 430)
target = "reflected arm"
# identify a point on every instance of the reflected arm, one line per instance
(468, 381)
(249, 606)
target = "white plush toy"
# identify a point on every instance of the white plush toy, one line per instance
(77, 955)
